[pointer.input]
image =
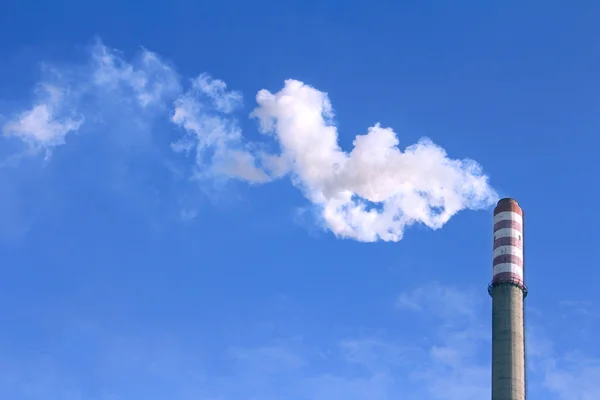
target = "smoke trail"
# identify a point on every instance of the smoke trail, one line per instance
(377, 190)
(371, 193)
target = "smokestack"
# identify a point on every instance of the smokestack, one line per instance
(508, 291)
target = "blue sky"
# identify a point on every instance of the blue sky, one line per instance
(227, 201)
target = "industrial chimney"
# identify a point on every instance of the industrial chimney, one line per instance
(508, 291)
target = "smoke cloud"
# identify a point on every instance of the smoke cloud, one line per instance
(376, 190)
(372, 192)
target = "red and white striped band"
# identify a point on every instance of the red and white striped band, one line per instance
(508, 242)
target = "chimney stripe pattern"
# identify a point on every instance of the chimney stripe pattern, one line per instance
(508, 243)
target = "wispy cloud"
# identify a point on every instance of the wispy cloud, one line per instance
(455, 367)
(211, 134)
(573, 376)
(361, 367)
(48, 122)
(445, 359)
(459, 365)
(147, 79)
(372, 192)
(562, 361)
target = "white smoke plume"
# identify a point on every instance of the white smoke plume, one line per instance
(374, 192)
(377, 190)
